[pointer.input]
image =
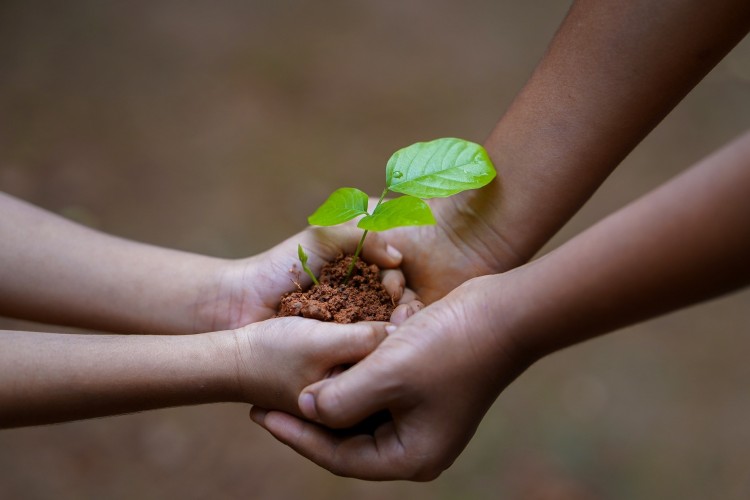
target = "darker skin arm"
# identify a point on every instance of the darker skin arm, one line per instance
(611, 73)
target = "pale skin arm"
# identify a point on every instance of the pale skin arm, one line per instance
(47, 377)
(685, 242)
(56, 271)
(610, 74)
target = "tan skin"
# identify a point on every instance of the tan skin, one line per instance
(60, 272)
(53, 377)
(207, 341)
(611, 73)
(656, 255)
(591, 99)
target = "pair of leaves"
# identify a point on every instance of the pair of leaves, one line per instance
(438, 168)
(347, 203)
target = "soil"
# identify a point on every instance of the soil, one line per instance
(362, 298)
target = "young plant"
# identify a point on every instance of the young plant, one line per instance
(303, 260)
(435, 169)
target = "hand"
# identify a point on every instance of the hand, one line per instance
(462, 245)
(437, 375)
(249, 290)
(279, 357)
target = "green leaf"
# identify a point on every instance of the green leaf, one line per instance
(438, 168)
(402, 211)
(301, 254)
(303, 260)
(344, 204)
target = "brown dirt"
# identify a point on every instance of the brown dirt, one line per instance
(362, 298)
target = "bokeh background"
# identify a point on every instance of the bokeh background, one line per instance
(216, 127)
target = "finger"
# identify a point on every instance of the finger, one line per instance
(344, 401)
(408, 296)
(323, 244)
(394, 282)
(378, 251)
(363, 456)
(258, 415)
(405, 311)
(350, 343)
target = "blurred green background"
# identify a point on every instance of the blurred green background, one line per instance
(217, 127)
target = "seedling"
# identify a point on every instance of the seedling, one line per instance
(303, 260)
(435, 169)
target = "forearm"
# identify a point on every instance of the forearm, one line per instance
(686, 242)
(56, 271)
(47, 378)
(611, 73)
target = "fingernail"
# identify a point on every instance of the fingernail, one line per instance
(390, 329)
(393, 252)
(307, 406)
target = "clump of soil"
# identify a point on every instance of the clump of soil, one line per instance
(362, 298)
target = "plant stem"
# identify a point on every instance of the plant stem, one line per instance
(303, 260)
(355, 258)
(309, 272)
(362, 242)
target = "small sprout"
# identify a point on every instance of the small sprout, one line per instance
(435, 169)
(303, 259)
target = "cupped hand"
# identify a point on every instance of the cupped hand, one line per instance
(436, 375)
(462, 245)
(277, 358)
(248, 290)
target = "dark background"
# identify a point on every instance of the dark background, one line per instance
(217, 127)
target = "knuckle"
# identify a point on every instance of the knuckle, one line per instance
(328, 405)
(366, 340)
(372, 338)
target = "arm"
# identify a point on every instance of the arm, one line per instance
(56, 271)
(685, 242)
(611, 73)
(47, 377)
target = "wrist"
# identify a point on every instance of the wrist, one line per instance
(225, 364)
(471, 221)
(477, 319)
(540, 310)
(221, 296)
(503, 319)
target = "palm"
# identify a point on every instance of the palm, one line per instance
(249, 289)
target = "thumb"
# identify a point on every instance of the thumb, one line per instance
(347, 399)
(378, 251)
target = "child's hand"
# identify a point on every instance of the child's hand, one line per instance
(277, 358)
(249, 290)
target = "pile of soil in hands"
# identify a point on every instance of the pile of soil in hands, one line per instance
(362, 298)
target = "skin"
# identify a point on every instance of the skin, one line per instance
(654, 256)
(56, 271)
(610, 74)
(49, 377)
